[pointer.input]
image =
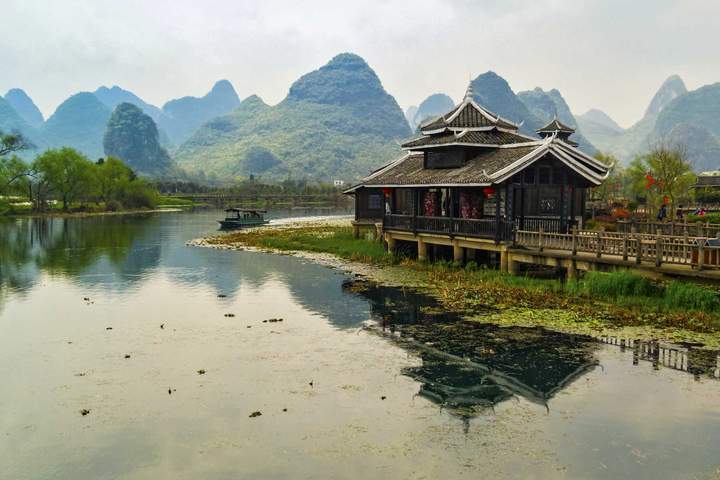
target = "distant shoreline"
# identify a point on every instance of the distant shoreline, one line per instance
(61, 214)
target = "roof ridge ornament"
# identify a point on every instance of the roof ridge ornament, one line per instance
(469, 92)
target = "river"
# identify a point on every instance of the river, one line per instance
(192, 362)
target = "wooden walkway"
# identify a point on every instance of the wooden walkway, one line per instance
(664, 254)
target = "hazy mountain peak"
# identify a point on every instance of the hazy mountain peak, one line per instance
(254, 100)
(671, 88)
(183, 116)
(433, 106)
(223, 87)
(115, 95)
(337, 122)
(346, 79)
(79, 122)
(24, 106)
(601, 118)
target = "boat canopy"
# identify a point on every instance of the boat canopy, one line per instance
(245, 210)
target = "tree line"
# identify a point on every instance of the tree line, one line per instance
(68, 177)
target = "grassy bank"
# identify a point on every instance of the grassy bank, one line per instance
(23, 209)
(597, 302)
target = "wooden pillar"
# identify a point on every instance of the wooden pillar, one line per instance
(658, 250)
(513, 266)
(497, 214)
(422, 249)
(563, 216)
(625, 246)
(572, 272)
(504, 260)
(701, 253)
(458, 253)
(390, 243)
(574, 240)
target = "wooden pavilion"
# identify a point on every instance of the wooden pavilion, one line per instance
(472, 174)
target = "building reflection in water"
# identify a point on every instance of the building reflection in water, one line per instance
(686, 357)
(469, 367)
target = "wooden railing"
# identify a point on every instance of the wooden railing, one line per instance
(680, 229)
(471, 227)
(658, 249)
(548, 224)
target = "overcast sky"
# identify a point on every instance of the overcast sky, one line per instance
(606, 54)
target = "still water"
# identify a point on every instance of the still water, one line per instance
(171, 352)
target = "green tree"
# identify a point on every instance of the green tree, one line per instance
(13, 171)
(662, 172)
(112, 177)
(68, 173)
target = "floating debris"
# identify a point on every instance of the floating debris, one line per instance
(169, 391)
(81, 374)
(87, 299)
(284, 409)
(229, 314)
(311, 383)
(273, 320)
(127, 355)
(222, 295)
(255, 414)
(201, 372)
(84, 412)
(162, 326)
(108, 328)
(249, 326)
(383, 397)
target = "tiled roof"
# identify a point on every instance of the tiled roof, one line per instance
(469, 115)
(476, 170)
(481, 137)
(486, 166)
(555, 126)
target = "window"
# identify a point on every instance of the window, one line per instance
(549, 203)
(375, 201)
(445, 159)
(530, 176)
(404, 201)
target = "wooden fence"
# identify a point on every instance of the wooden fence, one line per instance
(691, 229)
(658, 249)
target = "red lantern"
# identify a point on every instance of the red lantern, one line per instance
(489, 191)
(650, 181)
(387, 191)
(666, 200)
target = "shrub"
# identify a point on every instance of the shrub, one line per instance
(138, 194)
(113, 206)
(616, 284)
(708, 217)
(690, 296)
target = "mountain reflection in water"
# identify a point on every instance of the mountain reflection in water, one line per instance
(469, 367)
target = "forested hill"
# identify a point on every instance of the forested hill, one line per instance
(337, 122)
